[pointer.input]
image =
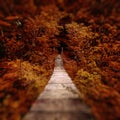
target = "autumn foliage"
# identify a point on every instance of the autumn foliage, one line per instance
(33, 33)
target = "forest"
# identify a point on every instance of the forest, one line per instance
(33, 32)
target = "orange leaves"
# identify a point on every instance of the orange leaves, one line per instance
(90, 42)
(20, 81)
(42, 40)
(10, 76)
(115, 66)
(4, 23)
(93, 45)
(10, 18)
(12, 47)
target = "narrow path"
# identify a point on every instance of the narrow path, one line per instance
(59, 100)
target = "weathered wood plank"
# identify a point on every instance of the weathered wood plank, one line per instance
(60, 99)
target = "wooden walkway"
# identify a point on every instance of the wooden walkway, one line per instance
(60, 99)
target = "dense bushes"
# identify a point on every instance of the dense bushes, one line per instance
(87, 31)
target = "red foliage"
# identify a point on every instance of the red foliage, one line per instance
(87, 31)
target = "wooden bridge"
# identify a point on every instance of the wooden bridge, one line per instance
(60, 99)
